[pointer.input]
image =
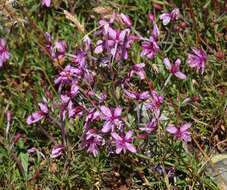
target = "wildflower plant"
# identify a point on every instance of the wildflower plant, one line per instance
(114, 92)
(100, 94)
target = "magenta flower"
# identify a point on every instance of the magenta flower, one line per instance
(88, 76)
(181, 132)
(92, 116)
(154, 103)
(117, 43)
(125, 20)
(136, 95)
(74, 89)
(74, 110)
(151, 17)
(65, 99)
(56, 51)
(57, 151)
(68, 75)
(36, 116)
(197, 59)
(79, 58)
(138, 69)
(112, 118)
(59, 50)
(167, 17)
(123, 143)
(67, 104)
(4, 53)
(150, 127)
(174, 68)
(99, 46)
(46, 3)
(87, 41)
(93, 141)
(150, 48)
(155, 31)
(48, 44)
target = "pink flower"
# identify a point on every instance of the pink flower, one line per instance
(80, 58)
(36, 116)
(181, 132)
(150, 48)
(68, 105)
(197, 59)
(112, 118)
(174, 68)
(151, 17)
(136, 95)
(150, 127)
(46, 3)
(4, 53)
(74, 89)
(155, 31)
(87, 41)
(93, 141)
(105, 25)
(138, 69)
(92, 115)
(48, 43)
(59, 49)
(155, 102)
(74, 110)
(68, 75)
(175, 14)
(99, 46)
(126, 20)
(167, 17)
(123, 143)
(57, 151)
(56, 51)
(117, 43)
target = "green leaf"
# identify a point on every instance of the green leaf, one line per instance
(24, 161)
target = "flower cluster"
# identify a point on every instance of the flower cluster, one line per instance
(93, 87)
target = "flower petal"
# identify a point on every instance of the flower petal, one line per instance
(128, 134)
(167, 63)
(108, 125)
(43, 107)
(171, 129)
(116, 136)
(165, 17)
(131, 147)
(178, 62)
(118, 150)
(99, 47)
(180, 75)
(106, 111)
(185, 127)
(117, 111)
(36, 116)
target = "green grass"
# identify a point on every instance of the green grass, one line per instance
(30, 74)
